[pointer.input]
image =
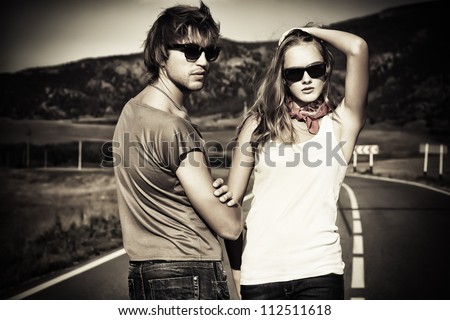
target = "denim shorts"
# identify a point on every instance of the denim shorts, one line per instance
(177, 280)
(326, 287)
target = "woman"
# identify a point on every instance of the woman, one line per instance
(298, 142)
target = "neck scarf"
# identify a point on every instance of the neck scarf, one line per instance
(310, 114)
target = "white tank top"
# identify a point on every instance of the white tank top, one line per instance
(291, 226)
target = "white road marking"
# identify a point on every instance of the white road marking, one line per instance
(357, 281)
(412, 183)
(358, 245)
(357, 227)
(68, 275)
(355, 213)
(358, 273)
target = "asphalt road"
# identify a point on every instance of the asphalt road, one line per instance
(394, 238)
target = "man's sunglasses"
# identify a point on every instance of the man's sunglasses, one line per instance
(193, 51)
(296, 74)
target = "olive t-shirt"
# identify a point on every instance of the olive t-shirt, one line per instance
(158, 221)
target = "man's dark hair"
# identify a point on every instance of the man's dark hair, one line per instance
(172, 26)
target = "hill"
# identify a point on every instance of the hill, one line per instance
(409, 78)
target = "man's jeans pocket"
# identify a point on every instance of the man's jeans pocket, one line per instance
(175, 288)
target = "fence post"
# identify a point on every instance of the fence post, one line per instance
(441, 161)
(425, 159)
(80, 149)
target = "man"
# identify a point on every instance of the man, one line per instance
(169, 215)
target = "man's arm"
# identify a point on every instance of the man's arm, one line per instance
(193, 173)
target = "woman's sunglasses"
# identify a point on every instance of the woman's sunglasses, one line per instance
(193, 51)
(296, 74)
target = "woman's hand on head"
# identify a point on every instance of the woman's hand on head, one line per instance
(283, 36)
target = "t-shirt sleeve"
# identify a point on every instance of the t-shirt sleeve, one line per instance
(184, 139)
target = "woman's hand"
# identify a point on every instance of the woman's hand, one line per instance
(222, 192)
(283, 36)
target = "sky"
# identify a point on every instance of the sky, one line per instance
(36, 33)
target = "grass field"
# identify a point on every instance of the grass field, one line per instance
(44, 131)
(394, 142)
(53, 219)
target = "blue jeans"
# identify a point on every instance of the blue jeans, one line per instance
(327, 287)
(177, 280)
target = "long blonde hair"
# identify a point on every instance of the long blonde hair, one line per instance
(270, 108)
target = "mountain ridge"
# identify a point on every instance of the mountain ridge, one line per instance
(409, 78)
